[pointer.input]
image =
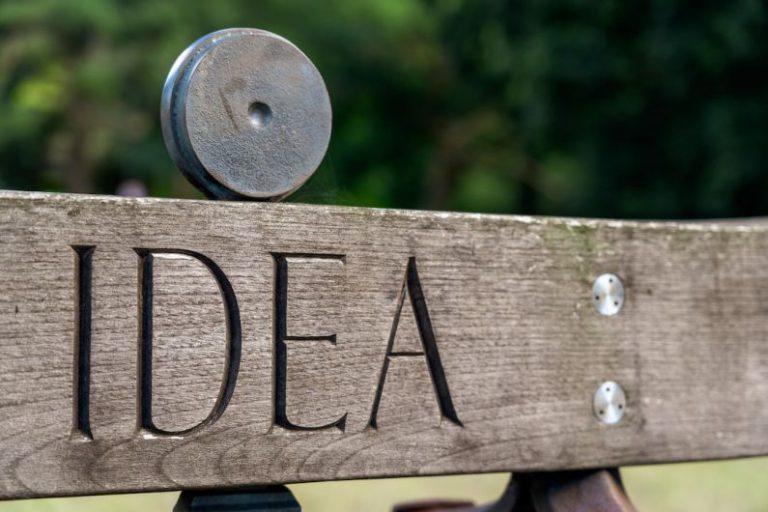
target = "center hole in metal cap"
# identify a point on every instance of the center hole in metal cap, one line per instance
(260, 114)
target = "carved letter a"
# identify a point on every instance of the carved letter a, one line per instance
(412, 288)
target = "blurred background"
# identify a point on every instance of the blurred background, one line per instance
(634, 109)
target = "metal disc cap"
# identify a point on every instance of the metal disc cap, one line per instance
(245, 115)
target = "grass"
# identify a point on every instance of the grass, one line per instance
(736, 486)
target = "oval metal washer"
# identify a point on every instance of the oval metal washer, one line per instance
(245, 115)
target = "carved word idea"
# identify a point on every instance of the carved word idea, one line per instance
(411, 290)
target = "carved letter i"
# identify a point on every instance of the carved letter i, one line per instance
(82, 365)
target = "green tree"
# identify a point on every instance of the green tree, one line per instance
(637, 109)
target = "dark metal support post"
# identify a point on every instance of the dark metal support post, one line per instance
(273, 498)
(598, 490)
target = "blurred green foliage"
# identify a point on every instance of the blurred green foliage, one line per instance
(573, 107)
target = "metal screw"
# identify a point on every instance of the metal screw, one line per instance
(245, 115)
(609, 403)
(608, 294)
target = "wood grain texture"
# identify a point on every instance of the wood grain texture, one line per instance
(508, 298)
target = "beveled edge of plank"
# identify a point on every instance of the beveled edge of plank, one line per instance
(746, 224)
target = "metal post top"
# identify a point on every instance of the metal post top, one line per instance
(245, 115)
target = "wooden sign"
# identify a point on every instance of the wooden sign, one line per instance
(160, 344)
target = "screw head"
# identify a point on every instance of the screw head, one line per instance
(609, 403)
(245, 115)
(608, 294)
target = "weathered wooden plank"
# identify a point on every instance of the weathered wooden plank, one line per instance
(320, 297)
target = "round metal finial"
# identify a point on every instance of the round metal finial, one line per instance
(608, 294)
(609, 403)
(245, 115)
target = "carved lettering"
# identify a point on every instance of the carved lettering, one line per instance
(82, 364)
(281, 336)
(412, 288)
(233, 340)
